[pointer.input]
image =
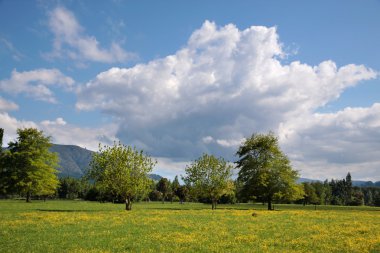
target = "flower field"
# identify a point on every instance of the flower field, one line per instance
(78, 226)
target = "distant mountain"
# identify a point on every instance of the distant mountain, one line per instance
(307, 180)
(155, 177)
(74, 161)
(365, 183)
(358, 183)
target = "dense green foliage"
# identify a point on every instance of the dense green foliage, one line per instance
(340, 192)
(210, 177)
(164, 187)
(121, 171)
(265, 172)
(28, 167)
(79, 226)
(1, 139)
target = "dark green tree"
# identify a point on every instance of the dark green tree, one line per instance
(182, 193)
(310, 196)
(209, 177)
(30, 164)
(265, 171)
(163, 186)
(1, 139)
(121, 171)
(175, 186)
(348, 190)
(3, 171)
(70, 188)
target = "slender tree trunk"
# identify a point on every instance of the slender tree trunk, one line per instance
(28, 198)
(213, 205)
(128, 204)
(270, 204)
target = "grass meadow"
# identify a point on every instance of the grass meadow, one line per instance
(79, 226)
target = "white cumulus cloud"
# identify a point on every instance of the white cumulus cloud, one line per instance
(222, 86)
(70, 40)
(35, 83)
(6, 105)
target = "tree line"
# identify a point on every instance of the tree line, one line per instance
(340, 192)
(119, 173)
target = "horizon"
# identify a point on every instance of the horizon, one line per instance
(178, 79)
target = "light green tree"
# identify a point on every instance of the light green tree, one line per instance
(122, 171)
(209, 177)
(265, 171)
(31, 165)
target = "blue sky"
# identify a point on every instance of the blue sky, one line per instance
(179, 78)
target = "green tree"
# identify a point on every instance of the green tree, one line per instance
(163, 186)
(31, 165)
(348, 190)
(69, 188)
(182, 193)
(1, 139)
(209, 177)
(122, 171)
(310, 196)
(3, 172)
(175, 186)
(265, 171)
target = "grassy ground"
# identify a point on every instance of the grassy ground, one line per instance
(78, 226)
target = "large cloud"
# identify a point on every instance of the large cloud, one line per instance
(330, 145)
(35, 83)
(70, 40)
(219, 88)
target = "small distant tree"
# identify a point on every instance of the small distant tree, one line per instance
(31, 165)
(69, 188)
(174, 187)
(163, 186)
(3, 172)
(209, 177)
(182, 193)
(265, 171)
(1, 139)
(122, 171)
(310, 196)
(348, 190)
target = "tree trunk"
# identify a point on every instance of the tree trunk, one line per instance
(128, 204)
(213, 206)
(270, 204)
(28, 197)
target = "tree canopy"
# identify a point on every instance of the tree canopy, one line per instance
(265, 171)
(163, 186)
(209, 177)
(122, 171)
(28, 166)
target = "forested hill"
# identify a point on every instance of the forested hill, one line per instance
(74, 161)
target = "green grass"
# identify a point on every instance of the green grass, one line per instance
(79, 226)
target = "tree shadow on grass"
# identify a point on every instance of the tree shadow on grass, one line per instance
(70, 211)
(185, 208)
